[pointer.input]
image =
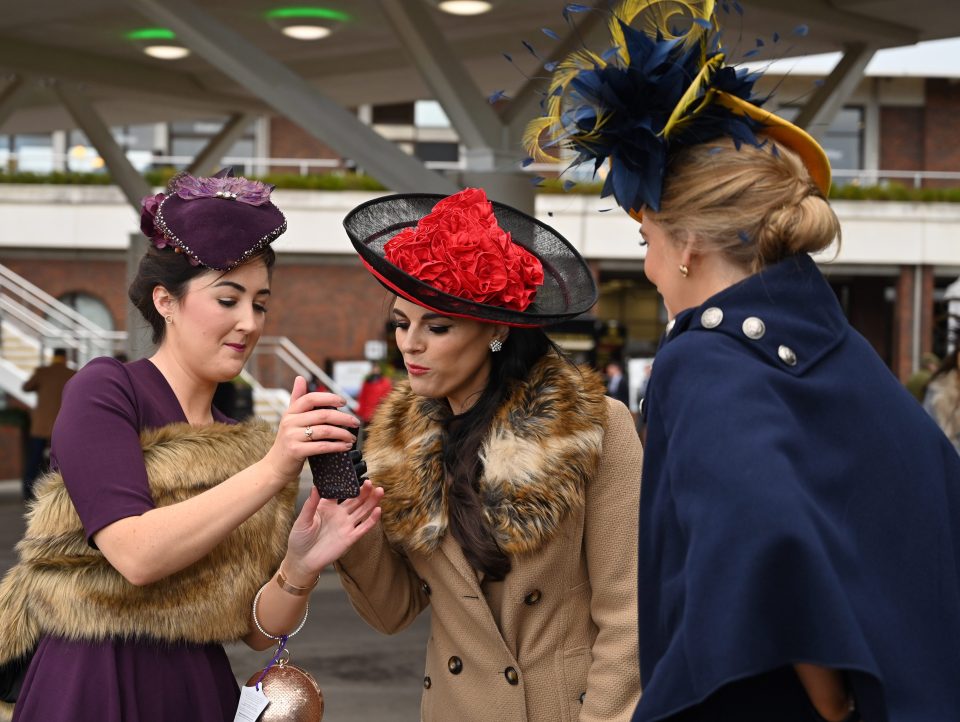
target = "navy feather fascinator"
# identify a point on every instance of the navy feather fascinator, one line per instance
(655, 90)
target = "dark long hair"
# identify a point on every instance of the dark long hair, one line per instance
(463, 436)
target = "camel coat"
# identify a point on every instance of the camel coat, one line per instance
(565, 647)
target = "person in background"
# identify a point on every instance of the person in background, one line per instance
(799, 537)
(47, 382)
(374, 389)
(617, 386)
(942, 397)
(511, 481)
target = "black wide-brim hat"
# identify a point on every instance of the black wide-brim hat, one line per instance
(568, 286)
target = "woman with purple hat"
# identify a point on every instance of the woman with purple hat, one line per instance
(799, 545)
(165, 530)
(511, 480)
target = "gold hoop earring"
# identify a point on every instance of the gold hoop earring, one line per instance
(684, 271)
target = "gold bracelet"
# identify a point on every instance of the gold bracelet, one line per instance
(290, 589)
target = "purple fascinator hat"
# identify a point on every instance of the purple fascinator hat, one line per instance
(217, 222)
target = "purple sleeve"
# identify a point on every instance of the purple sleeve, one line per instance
(96, 446)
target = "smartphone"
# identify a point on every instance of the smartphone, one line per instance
(334, 475)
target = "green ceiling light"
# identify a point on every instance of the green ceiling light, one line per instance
(158, 43)
(464, 7)
(306, 23)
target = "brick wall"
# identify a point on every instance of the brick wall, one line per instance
(289, 140)
(102, 279)
(901, 138)
(941, 135)
(328, 309)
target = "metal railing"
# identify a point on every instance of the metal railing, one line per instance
(915, 178)
(277, 360)
(252, 165)
(52, 323)
(46, 322)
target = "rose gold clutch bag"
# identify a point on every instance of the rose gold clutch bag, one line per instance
(294, 694)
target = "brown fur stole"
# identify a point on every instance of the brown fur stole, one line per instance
(64, 587)
(543, 447)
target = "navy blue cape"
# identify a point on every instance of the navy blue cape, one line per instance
(794, 513)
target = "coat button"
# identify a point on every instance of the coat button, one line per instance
(583, 696)
(787, 355)
(424, 587)
(753, 328)
(455, 665)
(532, 598)
(426, 683)
(711, 318)
(512, 676)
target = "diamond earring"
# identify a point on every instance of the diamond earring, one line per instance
(496, 345)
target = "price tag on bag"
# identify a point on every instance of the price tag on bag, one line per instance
(252, 703)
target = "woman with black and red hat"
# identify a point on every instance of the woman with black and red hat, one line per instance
(165, 530)
(799, 546)
(511, 480)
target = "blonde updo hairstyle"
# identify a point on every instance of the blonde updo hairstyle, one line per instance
(755, 205)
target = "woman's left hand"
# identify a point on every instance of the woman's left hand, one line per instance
(324, 530)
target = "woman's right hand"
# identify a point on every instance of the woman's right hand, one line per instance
(316, 411)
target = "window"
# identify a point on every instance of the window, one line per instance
(90, 307)
(426, 151)
(843, 140)
(188, 138)
(34, 152)
(135, 140)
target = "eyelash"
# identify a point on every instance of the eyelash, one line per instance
(230, 303)
(404, 325)
(643, 241)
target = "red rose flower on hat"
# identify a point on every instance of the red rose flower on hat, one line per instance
(459, 248)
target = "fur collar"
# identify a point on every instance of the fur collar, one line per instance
(64, 587)
(543, 447)
(943, 400)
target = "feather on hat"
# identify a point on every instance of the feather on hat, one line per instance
(657, 89)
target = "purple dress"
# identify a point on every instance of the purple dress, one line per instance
(96, 446)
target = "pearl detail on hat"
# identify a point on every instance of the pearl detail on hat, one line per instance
(227, 195)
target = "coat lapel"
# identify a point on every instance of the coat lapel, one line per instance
(454, 554)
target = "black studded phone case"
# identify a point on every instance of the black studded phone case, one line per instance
(334, 475)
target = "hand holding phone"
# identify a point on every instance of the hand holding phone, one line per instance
(334, 475)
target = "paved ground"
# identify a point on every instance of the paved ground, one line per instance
(364, 676)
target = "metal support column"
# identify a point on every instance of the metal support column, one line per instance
(291, 96)
(822, 108)
(133, 186)
(491, 161)
(208, 160)
(12, 96)
(131, 183)
(477, 124)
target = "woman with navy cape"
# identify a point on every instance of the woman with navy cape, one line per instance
(799, 537)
